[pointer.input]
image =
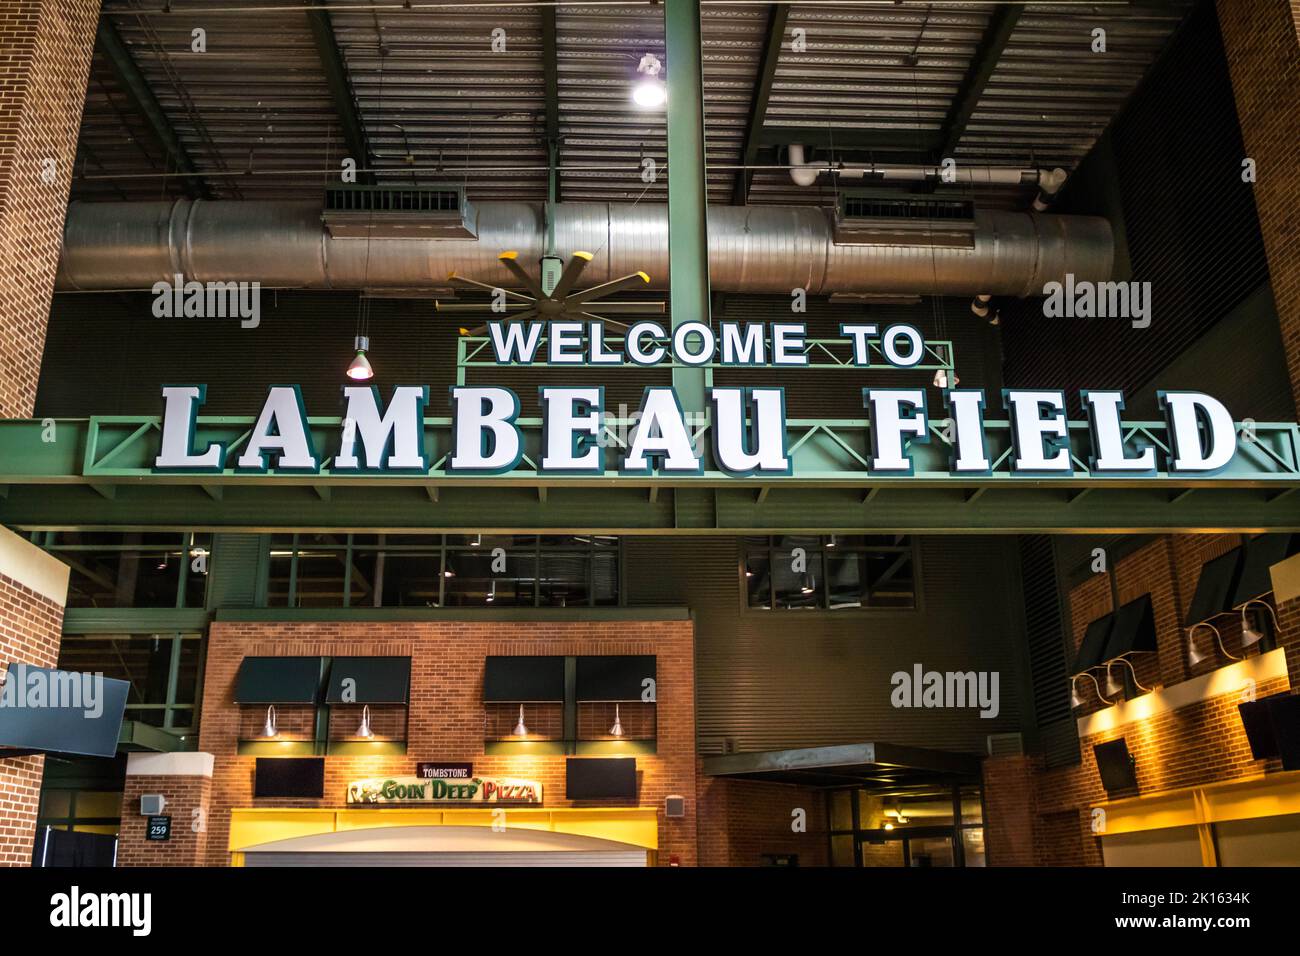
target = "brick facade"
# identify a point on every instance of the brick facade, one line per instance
(740, 820)
(30, 627)
(1200, 743)
(45, 51)
(1260, 40)
(187, 795)
(447, 714)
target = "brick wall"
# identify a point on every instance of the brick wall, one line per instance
(45, 50)
(188, 843)
(447, 712)
(740, 820)
(30, 627)
(1202, 742)
(1260, 40)
(1010, 810)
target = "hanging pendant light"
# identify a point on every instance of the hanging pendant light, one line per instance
(617, 729)
(360, 370)
(808, 585)
(269, 729)
(492, 592)
(364, 730)
(521, 729)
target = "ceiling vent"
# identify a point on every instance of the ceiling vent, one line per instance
(864, 219)
(388, 212)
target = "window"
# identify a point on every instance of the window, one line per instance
(377, 570)
(830, 573)
(133, 569)
(162, 669)
(921, 827)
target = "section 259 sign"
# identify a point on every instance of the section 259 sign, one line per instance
(415, 790)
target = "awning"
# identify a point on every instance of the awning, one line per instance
(1215, 587)
(375, 680)
(1093, 645)
(278, 680)
(614, 678)
(868, 765)
(1134, 630)
(1262, 552)
(524, 679)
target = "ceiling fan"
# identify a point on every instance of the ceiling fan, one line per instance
(552, 298)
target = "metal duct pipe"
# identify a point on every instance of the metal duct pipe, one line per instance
(751, 249)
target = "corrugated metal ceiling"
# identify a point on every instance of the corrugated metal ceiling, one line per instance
(439, 104)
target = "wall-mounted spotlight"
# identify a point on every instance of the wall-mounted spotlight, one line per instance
(1249, 633)
(269, 729)
(521, 729)
(649, 93)
(617, 729)
(364, 730)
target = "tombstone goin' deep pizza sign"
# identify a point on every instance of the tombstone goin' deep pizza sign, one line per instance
(416, 790)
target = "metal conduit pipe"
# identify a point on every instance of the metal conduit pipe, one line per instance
(1049, 181)
(769, 249)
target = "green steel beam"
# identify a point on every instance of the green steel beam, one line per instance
(138, 736)
(688, 227)
(1002, 23)
(129, 77)
(1035, 507)
(336, 77)
(51, 486)
(777, 16)
(551, 81)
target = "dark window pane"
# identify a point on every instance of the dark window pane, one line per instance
(604, 574)
(758, 580)
(129, 578)
(564, 579)
(476, 583)
(321, 568)
(277, 585)
(408, 579)
(801, 589)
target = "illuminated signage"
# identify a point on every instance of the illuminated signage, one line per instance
(742, 433)
(420, 790)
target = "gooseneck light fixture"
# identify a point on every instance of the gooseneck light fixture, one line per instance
(364, 731)
(1075, 699)
(521, 729)
(617, 729)
(1194, 656)
(269, 729)
(650, 93)
(1249, 633)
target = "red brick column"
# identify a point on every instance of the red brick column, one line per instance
(1010, 810)
(33, 587)
(185, 781)
(45, 50)
(1260, 40)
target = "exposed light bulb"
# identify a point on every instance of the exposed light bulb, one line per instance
(650, 94)
(360, 370)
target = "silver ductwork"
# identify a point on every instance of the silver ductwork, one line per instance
(751, 249)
